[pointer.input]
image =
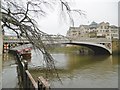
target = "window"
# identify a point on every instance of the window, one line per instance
(105, 27)
(101, 27)
(107, 30)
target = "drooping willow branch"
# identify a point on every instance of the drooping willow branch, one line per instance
(18, 18)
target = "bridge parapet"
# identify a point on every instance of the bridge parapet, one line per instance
(53, 39)
(59, 39)
(107, 43)
(94, 40)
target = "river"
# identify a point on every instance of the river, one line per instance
(75, 71)
(9, 72)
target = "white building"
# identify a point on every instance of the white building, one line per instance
(78, 32)
(94, 30)
(73, 32)
(103, 30)
(114, 32)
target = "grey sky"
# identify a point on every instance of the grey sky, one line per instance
(96, 10)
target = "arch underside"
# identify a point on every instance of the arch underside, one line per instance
(97, 49)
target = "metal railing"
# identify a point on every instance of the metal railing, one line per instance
(26, 81)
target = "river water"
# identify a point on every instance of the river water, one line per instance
(9, 72)
(75, 70)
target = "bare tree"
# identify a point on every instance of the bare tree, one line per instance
(18, 16)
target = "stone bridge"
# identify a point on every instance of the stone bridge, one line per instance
(98, 49)
(100, 46)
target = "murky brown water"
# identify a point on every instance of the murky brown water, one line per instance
(9, 73)
(75, 71)
(81, 71)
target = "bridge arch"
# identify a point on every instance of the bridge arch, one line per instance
(97, 48)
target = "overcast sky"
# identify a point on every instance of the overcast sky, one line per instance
(96, 10)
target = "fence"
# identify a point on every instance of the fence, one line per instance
(25, 78)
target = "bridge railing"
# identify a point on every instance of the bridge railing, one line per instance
(94, 40)
(53, 38)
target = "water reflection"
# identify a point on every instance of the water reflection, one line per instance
(9, 73)
(74, 70)
(76, 61)
(82, 71)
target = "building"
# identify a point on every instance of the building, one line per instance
(73, 32)
(84, 31)
(114, 32)
(103, 30)
(78, 32)
(94, 30)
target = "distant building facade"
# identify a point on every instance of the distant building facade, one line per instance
(114, 32)
(94, 30)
